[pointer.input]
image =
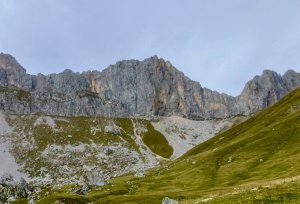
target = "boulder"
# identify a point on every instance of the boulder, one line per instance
(167, 200)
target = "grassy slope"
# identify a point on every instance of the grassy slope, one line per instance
(157, 142)
(284, 193)
(263, 148)
(75, 131)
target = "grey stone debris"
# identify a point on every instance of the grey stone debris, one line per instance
(113, 129)
(109, 151)
(152, 87)
(167, 200)
(25, 185)
(10, 192)
(139, 173)
(96, 178)
(82, 190)
(30, 200)
(6, 178)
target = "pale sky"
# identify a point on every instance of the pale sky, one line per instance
(220, 43)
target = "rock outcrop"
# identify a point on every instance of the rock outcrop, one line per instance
(167, 200)
(131, 87)
(263, 91)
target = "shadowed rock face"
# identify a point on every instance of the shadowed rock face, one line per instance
(131, 87)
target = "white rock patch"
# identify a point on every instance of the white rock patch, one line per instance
(183, 134)
(8, 165)
(45, 120)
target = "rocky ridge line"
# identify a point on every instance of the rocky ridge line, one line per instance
(131, 87)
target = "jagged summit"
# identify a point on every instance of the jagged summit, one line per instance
(265, 90)
(8, 62)
(131, 87)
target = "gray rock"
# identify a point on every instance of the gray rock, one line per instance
(6, 178)
(139, 173)
(109, 151)
(152, 87)
(112, 128)
(95, 178)
(263, 91)
(291, 79)
(82, 190)
(167, 200)
(25, 185)
(11, 192)
(30, 200)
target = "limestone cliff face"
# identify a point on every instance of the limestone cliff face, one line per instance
(263, 91)
(131, 87)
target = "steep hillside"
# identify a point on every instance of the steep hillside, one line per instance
(252, 155)
(53, 150)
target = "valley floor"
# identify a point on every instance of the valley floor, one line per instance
(285, 191)
(276, 191)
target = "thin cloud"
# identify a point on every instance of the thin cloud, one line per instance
(221, 44)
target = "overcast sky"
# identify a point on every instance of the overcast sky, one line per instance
(220, 43)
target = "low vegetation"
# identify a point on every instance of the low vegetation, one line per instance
(157, 142)
(236, 166)
(19, 94)
(55, 150)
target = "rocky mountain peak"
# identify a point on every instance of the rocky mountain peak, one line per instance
(292, 79)
(264, 90)
(268, 72)
(12, 73)
(8, 62)
(131, 87)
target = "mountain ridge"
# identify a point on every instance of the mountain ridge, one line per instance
(163, 156)
(253, 162)
(133, 88)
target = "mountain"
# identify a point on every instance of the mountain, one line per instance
(132, 88)
(82, 130)
(253, 162)
(263, 91)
